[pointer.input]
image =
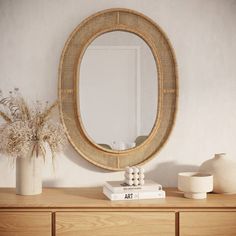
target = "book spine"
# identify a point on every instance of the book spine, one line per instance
(133, 195)
(133, 188)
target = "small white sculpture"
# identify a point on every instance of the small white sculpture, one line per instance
(134, 175)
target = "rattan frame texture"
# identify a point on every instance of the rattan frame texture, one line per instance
(92, 27)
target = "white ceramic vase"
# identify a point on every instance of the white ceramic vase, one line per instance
(29, 175)
(223, 170)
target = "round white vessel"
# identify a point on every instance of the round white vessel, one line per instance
(223, 170)
(194, 184)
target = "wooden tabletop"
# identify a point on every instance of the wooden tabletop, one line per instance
(94, 198)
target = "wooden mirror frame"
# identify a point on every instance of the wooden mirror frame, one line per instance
(98, 24)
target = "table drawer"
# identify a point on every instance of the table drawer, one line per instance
(207, 223)
(25, 223)
(115, 223)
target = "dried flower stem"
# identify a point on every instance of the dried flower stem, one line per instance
(5, 117)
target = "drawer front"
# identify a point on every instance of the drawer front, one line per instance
(25, 223)
(115, 223)
(207, 223)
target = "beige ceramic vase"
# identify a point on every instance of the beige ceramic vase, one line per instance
(223, 170)
(29, 175)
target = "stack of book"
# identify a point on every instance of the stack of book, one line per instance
(118, 190)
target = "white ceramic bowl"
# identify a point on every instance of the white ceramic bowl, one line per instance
(194, 184)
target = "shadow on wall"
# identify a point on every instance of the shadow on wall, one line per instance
(76, 158)
(167, 173)
(71, 154)
(55, 183)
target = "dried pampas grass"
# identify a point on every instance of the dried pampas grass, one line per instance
(29, 128)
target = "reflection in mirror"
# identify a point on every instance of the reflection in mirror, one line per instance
(118, 90)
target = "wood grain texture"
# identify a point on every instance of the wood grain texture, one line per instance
(86, 211)
(87, 198)
(115, 223)
(25, 223)
(69, 82)
(207, 223)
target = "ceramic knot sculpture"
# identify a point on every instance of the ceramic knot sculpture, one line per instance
(223, 170)
(134, 175)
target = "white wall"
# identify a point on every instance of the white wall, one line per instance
(203, 35)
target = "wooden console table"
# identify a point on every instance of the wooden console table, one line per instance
(87, 212)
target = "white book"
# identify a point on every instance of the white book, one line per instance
(132, 195)
(121, 187)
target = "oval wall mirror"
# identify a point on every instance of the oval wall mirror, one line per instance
(118, 88)
(118, 96)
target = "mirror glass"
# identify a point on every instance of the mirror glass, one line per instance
(117, 90)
